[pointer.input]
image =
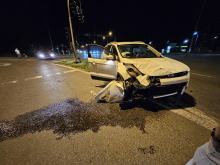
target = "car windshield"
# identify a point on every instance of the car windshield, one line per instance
(137, 51)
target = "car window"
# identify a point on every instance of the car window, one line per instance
(96, 52)
(106, 51)
(114, 51)
(137, 51)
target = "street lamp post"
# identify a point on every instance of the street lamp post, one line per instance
(71, 30)
(192, 40)
(197, 25)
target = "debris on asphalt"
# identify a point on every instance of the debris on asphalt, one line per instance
(112, 93)
(7, 129)
(148, 150)
(70, 117)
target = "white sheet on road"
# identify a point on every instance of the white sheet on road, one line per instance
(112, 93)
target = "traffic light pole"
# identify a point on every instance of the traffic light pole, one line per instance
(71, 31)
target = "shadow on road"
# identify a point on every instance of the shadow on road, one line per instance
(186, 101)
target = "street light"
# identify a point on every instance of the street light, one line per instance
(110, 33)
(103, 37)
(192, 40)
(186, 41)
(71, 30)
(214, 39)
(195, 33)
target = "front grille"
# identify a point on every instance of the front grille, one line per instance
(162, 90)
(174, 75)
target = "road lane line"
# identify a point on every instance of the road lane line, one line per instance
(197, 117)
(33, 78)
(5, 64)
(9, 82)
(48, 75)
(193, 114)
(64, 66)
(69, 71)
(72, 68)
(14, 82)
(58, 73)
(203, 75)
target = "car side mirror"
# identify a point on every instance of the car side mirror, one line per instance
(110, 57)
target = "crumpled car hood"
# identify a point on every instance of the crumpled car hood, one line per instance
(158, 66)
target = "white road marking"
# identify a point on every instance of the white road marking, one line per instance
(48, 75)
(203, 75)
(14, 82)
(5, 64)
(195, 115)
(72, 68)
(33, 78)
(58, 73)
(69, 71)
(9, 82)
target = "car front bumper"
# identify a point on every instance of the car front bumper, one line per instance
(161, 91)
(164, 87)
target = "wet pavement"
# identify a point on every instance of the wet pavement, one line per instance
(205, 80)
(48, 117)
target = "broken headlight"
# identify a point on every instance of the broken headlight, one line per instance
(132, 70)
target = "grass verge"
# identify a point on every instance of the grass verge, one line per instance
(82, 65)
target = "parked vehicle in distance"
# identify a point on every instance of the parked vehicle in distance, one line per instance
(141, 66)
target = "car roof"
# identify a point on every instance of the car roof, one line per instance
(126, 43)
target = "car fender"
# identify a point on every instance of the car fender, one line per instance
(123, 71)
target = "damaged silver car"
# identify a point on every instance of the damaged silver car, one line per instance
(143, 70)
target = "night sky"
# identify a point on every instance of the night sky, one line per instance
(26, 22)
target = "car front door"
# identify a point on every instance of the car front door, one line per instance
(103, 67)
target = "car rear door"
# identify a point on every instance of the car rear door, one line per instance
(101, 67)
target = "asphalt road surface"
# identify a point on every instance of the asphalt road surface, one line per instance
(205, 81)
(47, 116)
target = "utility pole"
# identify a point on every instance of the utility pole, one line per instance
(51, 41)
(195, 33)
(71, 31)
